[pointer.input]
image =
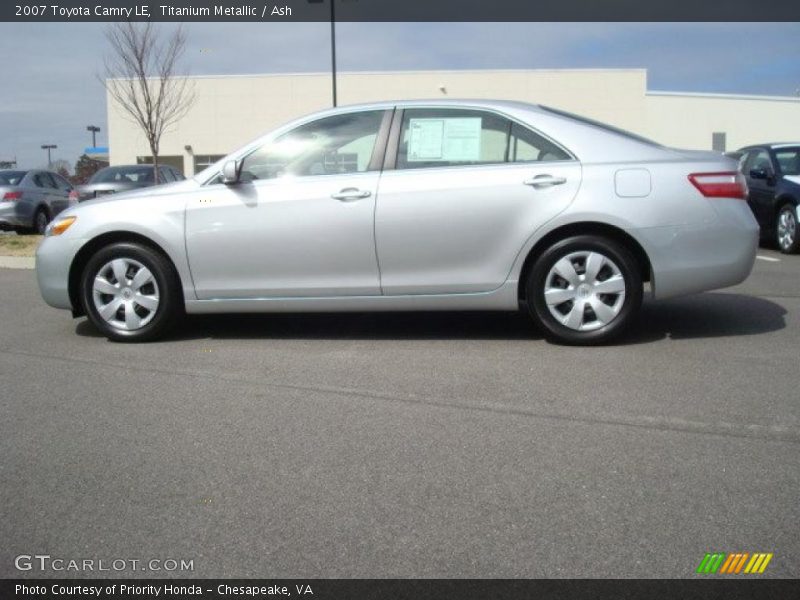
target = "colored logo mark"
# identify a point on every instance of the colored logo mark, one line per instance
(734, 563)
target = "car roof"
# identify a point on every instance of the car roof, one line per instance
(771, 145)
(455, 102)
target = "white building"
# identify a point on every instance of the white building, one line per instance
(231, 110)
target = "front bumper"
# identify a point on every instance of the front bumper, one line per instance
(53, 260)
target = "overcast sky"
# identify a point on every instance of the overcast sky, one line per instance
(50, 90)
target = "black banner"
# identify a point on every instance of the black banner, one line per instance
(402, 10)
(403, 589)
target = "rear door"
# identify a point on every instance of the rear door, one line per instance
(57, 199)
(460, 195)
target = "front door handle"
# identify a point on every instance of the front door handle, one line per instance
(350, 194)
(541, 181)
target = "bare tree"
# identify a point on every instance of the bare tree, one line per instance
(140, 75)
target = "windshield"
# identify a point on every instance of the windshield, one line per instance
(132, 174)
(598, 124)
(789, 160)
(11, 177)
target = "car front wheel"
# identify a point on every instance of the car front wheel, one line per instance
(786, 229)
(584, 290)
(130, 292)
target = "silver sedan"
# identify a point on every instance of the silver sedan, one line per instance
(424, 205)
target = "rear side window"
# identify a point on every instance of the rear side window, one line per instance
(527, 146)
(438, 137)
(166, 175)
(43, 180)
(62, 183)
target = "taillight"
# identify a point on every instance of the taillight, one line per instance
(12, 196)
(729, 184)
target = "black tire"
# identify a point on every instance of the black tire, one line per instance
(788, 240)
(169, 308)
(25, 230)
(41, 218)
(598, 331)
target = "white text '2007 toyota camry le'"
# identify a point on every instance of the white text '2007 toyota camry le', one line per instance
(422, 205)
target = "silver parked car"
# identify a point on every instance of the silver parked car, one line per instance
(111, 180)
(423, 205)
(30, 199)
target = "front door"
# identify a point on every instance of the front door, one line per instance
(300, 223)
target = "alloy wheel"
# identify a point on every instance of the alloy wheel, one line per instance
(787, 228)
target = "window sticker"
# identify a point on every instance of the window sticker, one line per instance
(445, 140)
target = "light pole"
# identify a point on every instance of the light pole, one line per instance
(94, 129)
(49, 147)
(333, 44)
(333, 50)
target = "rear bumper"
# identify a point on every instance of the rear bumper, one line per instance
(687, 259)
(15, 214)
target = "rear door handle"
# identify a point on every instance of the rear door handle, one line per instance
(350, 194)
(541, 181)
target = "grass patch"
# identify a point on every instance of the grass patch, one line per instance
(19, 245)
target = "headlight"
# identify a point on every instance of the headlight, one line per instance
(59, 226)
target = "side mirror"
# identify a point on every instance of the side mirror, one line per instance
(230, 172)
(759, 174)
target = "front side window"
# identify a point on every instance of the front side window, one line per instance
(788, 160)
(329, 146)
(130, 174)
(445, 137)
(759, 160)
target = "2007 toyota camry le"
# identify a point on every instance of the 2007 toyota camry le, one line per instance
(419, 205)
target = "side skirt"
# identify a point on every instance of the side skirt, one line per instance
(503, 298)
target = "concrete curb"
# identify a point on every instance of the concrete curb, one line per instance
(17, 262)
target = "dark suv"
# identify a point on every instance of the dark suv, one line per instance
(773, 178)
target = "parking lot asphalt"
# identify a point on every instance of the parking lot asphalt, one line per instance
(406, 445)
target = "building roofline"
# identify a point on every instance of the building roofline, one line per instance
(412, 72)
(725, 96)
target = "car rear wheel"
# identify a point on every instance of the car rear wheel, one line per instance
(584, 290)
(40, 220)
(130, 292)
(786, 230)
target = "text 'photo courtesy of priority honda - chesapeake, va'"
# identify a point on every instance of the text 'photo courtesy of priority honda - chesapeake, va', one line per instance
(375, 300)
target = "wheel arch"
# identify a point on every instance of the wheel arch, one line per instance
(584, 228)
(782, 201)
(92, 246)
